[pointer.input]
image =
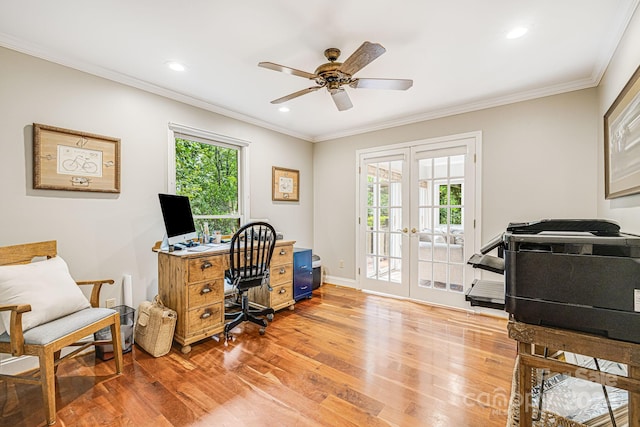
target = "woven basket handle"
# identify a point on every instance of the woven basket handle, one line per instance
(158, 301)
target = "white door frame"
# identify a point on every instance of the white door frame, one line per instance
(474, 210)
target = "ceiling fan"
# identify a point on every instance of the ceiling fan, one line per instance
(333, 75)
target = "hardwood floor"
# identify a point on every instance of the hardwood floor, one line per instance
(342, 358)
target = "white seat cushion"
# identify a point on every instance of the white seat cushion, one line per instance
(51, 331)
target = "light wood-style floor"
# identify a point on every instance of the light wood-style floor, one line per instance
(342, 358)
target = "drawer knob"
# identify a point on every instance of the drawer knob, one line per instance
(205, 290)
(283, 270)
(283, 252)
(282, 291)
(205, 315)
(205, 265)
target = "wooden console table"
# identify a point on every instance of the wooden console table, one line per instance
(585, 344)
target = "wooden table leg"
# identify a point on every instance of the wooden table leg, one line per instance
(524, 386)
(634, 399)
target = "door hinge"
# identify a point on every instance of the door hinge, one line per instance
(358, 220)
(358, 271)
(474, 158)
(359, 169)
(474, 223)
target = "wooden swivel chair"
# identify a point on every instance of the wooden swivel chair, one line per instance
(47, 340)
(249, 259)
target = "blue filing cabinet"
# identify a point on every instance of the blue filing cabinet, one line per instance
(302, 273)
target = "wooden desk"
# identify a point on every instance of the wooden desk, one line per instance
(579, 343)
(192, 284)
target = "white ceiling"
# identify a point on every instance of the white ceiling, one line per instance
(456, 52)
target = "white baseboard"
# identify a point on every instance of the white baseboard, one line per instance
(15, 365)
(10, 365)
(341, 281)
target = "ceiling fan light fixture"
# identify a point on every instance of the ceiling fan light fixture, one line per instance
(176, 66)
(333, 75)
(517, 32)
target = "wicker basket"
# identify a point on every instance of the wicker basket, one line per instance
(155, 327)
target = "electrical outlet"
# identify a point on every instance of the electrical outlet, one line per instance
(110, 302)
(341, 263)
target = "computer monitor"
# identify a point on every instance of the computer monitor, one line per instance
(178, 219)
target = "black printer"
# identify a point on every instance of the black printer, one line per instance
(575, 274)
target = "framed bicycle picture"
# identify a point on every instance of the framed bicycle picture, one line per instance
(66, 159)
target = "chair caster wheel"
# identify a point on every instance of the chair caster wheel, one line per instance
(262, 331)
(227, 338)
(270, 317)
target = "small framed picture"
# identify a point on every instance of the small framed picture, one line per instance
(285, 185)
(65, 159)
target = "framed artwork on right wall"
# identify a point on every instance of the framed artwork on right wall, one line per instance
(622, 142)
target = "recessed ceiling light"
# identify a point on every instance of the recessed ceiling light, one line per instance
(284, 109)
(517, 32)
(176, 66)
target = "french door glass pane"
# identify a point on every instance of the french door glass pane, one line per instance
(441, 233)
(384, 221)
(425, 279)
(456, 166)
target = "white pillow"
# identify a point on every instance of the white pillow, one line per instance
(46, 285)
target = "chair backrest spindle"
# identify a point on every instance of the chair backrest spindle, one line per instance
(251, 251)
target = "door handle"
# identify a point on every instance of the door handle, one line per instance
(413, 230)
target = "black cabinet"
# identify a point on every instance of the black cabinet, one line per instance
(302, 273)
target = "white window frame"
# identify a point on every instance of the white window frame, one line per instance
(200, 135)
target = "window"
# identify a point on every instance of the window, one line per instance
(210, 170)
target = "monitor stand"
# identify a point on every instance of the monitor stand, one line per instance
(164, 246)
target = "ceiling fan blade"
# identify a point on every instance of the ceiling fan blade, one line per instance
(341, 99)
(288, 70)
(295, 94)
(362, 57)
(393, 84)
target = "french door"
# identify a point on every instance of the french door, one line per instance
(417, 206)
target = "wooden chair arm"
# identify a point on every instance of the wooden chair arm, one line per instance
(15, 327)
(95, 292)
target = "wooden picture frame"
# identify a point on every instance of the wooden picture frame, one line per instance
(622, 142)
(66, 159)
(285, 185)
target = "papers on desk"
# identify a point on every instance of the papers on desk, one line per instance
(208, 247)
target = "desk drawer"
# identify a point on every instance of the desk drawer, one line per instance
(204, 318)
(281, 294)
(280, 274)
(282, 255)
(205, 293)
(206, 268)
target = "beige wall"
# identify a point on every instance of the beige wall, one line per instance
(104, 235)
(538, 161)
(625, 210)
